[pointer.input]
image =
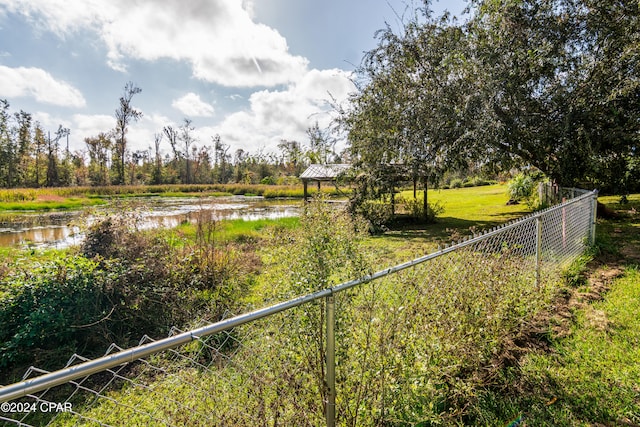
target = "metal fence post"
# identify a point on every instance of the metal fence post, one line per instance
(331, 361)
(538, 248)
(594, 213)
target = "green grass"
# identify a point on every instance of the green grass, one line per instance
(465, 210)
(239, 230)
(590, 374)
(50, 205)
(614, 201)
(589, 377)
(481, 207)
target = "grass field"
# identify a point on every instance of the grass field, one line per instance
(466, 210)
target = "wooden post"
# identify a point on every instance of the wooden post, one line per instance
(425, 204)
(306, 194)
(393, 201)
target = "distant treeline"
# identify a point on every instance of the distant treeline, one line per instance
(32, 157)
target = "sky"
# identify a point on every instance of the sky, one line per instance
(254, 72)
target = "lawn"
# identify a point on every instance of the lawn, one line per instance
(466, 210)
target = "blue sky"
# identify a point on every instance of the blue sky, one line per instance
(252, 71)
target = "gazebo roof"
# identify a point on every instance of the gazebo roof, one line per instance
(318, 172)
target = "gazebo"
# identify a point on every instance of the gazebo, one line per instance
(322, 173)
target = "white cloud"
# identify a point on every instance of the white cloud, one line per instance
(272, 115)
(192, 106)
(39, 84)
(140, 135)
(218, 38)
(91, 125)
(48, 122)
(286, 114)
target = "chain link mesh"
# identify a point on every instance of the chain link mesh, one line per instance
(408, 345)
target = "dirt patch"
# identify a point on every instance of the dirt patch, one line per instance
(558, 322)
(630, 252)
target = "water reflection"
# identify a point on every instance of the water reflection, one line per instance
(64, 229)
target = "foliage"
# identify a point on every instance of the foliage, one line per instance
(414, 206)
(123, 284)
(548, 91)
(474, 181)
(403, 113)
(125, 115)
(377, 213)
(30, 158)
(521, 187)
(404, 124)
(456, 183)
(324, 250)
(545, 83)
(45, 308)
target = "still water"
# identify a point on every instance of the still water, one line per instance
(62, 229)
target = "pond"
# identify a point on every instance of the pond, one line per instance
(62, 229)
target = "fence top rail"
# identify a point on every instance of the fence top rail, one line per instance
(81, 370)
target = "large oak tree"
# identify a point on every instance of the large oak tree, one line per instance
(552, 84)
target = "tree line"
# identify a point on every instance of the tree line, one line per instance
(31, 156)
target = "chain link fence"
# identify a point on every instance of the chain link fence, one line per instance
(404, 345)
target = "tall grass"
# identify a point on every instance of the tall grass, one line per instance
(267, 191)
(412, 349)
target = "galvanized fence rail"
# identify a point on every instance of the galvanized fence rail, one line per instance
(363, 352)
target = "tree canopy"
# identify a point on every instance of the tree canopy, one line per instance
(552, 84)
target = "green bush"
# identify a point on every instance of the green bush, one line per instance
(521, 187)
(268, 180)
(477, 181)
(122, 285)
(377, 213)
(456, 183)
(415, 208)
(45, 310)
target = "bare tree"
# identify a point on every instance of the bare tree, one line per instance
(187, 140)
(172, 136)
(157, 172)
(125, 114)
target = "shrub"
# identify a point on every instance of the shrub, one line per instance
(123, 284)
(324, 249)
(415, 208)
(45, 309)
(520, 187)
(456, 183)
(378, 215)
(268, 180)
(477, 181)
